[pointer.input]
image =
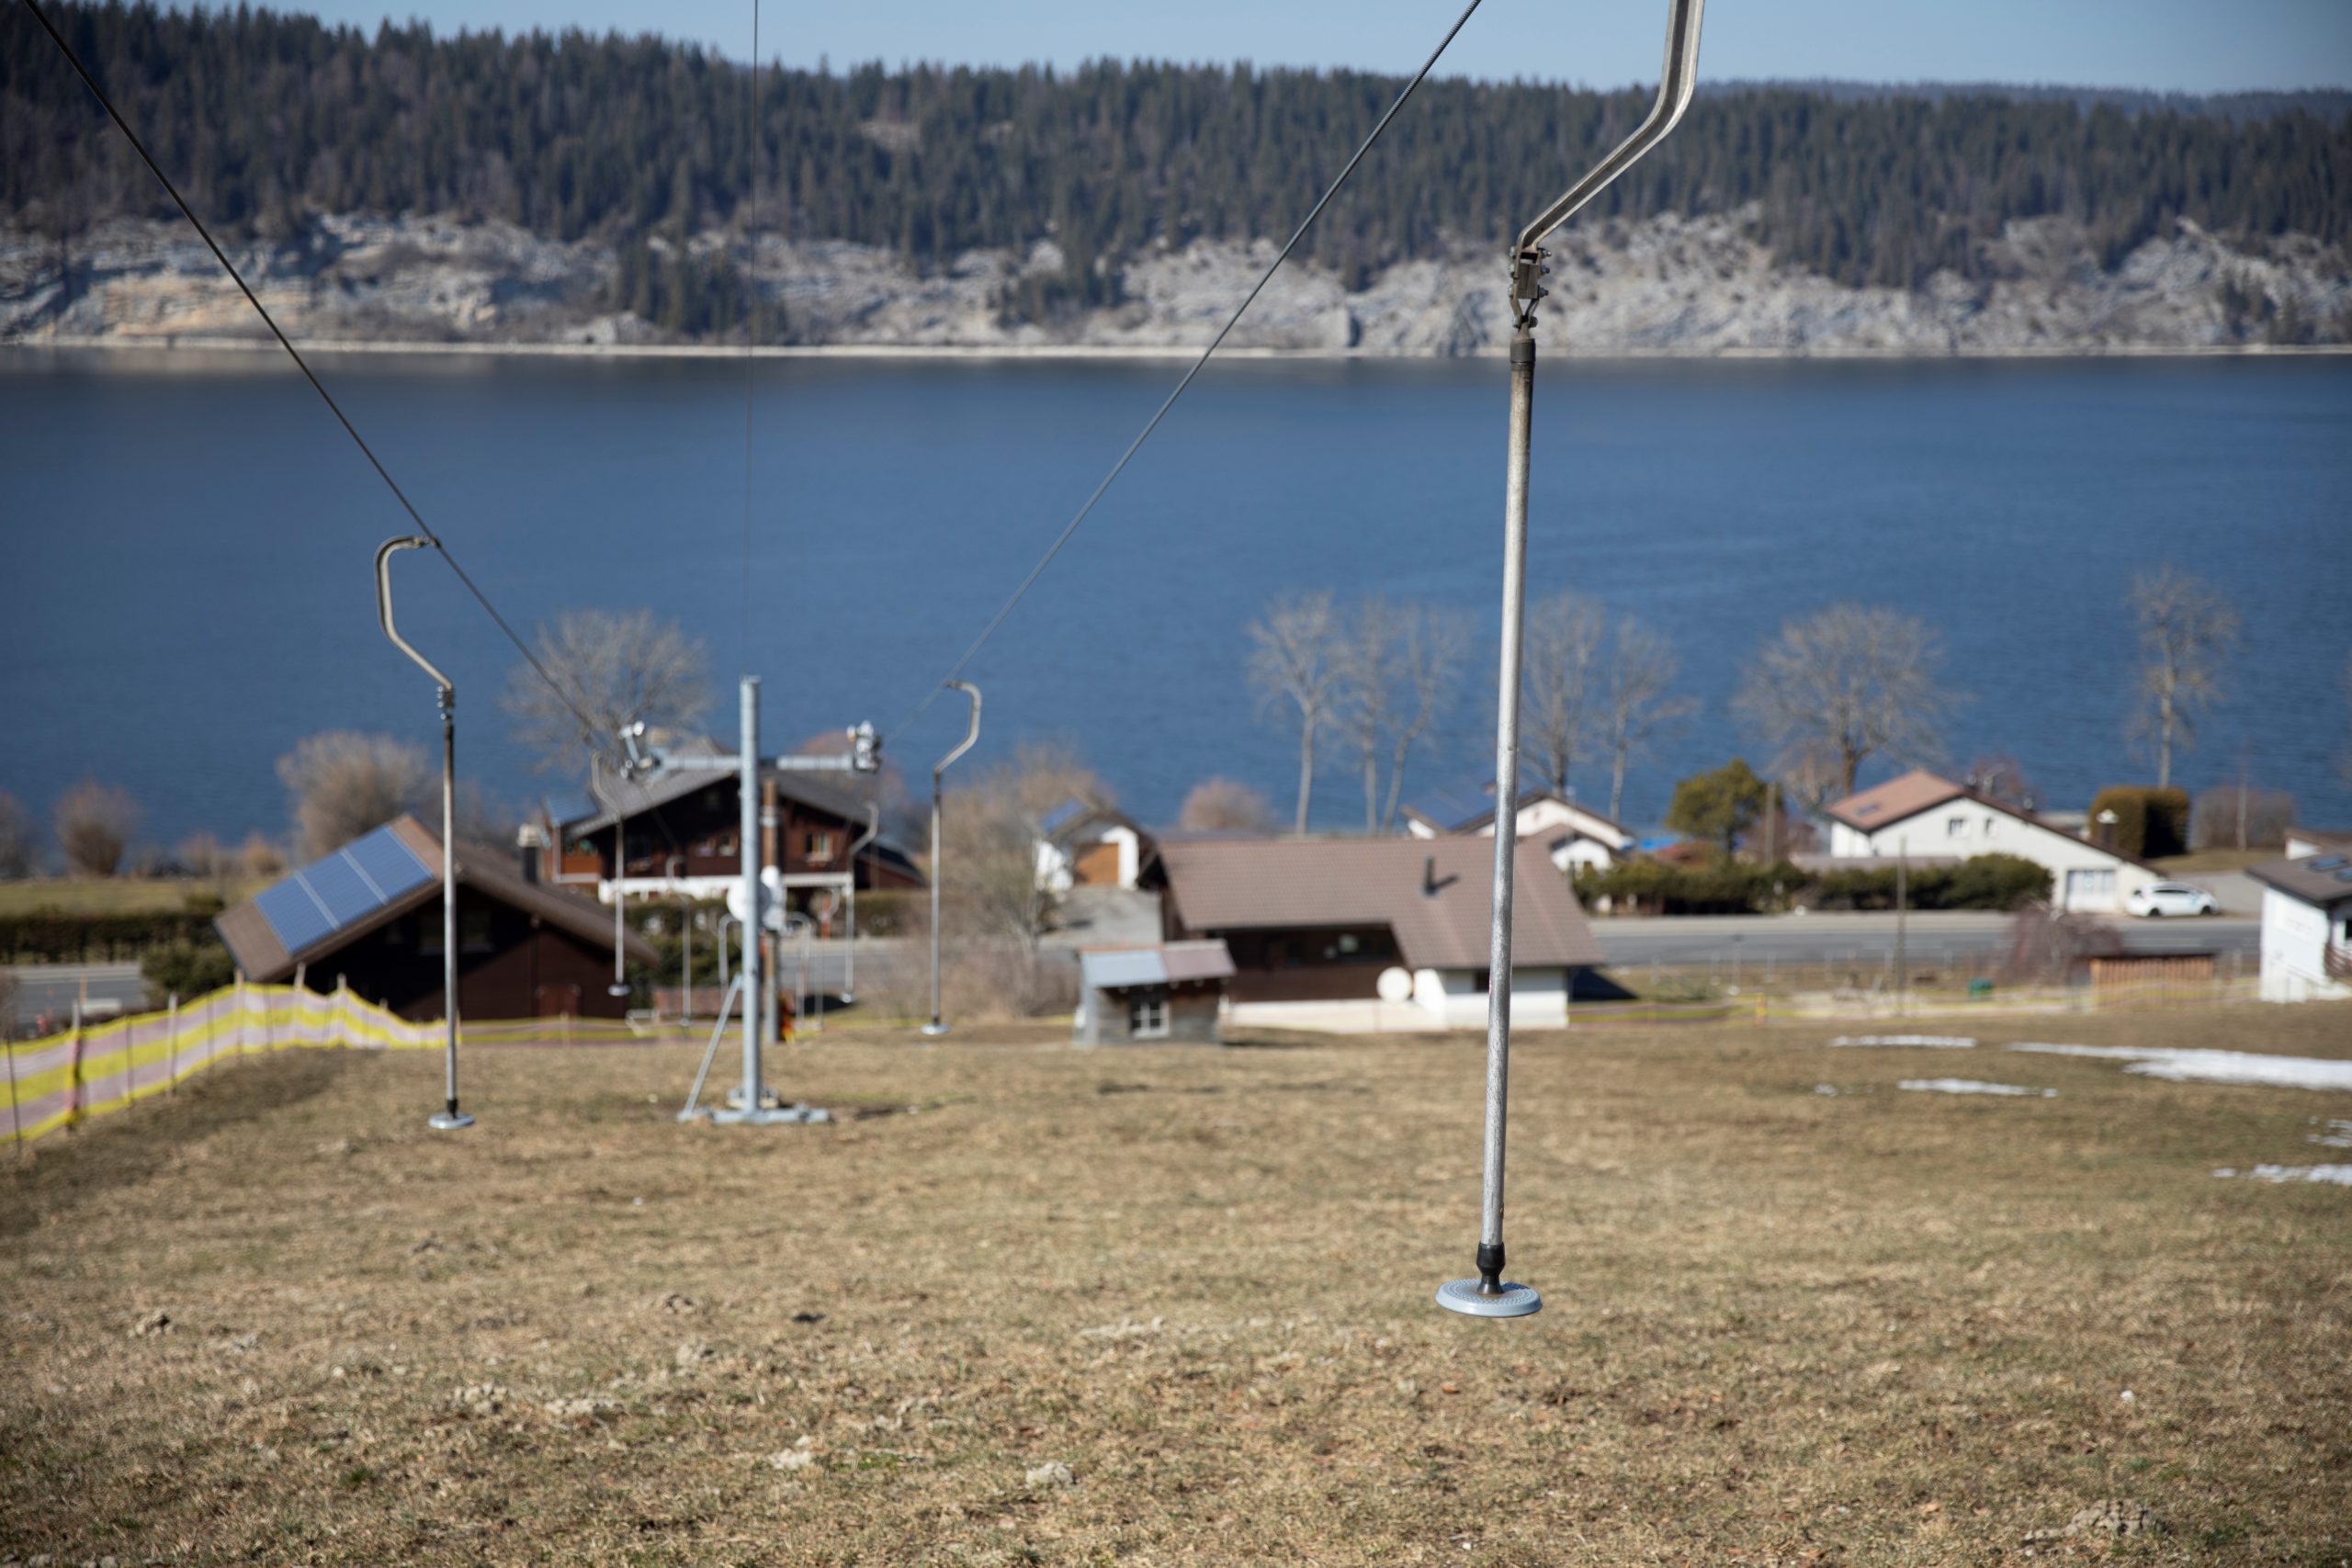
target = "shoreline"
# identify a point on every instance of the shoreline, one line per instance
(1116, 353)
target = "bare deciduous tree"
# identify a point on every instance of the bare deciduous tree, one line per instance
(1564, 636)
(1635, 711)
(1844, 684)
(1292, 668)
(16, 839)
(1225, 805)
(2344, 758)
(620, 667)
(344, 783)
(200, 854)
(2187, 627)
(1432, 649)
(2002, 777)
(1363, 654)
(259, 857)
(94, 823)
(993, 891)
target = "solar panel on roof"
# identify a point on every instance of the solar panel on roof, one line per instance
(341, 889)
(294, 914)
(2327, 862)
(390, 863)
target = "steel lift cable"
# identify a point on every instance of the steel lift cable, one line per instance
(750, 310)
(956, 669)
(1489, 1294)
(423, 527)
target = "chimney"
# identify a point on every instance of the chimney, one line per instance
(530, 845)
(1429, 876)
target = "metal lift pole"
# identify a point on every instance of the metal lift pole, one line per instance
(749, 859)
(1489, 1294)
(934, 1029)
(448, 1119)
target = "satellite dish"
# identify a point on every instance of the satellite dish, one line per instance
(1396, 986)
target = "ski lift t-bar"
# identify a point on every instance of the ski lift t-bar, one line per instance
(937, 1026)
(864, 756)
(1490, 1295)
(448, 1119)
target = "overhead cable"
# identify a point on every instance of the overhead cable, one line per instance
(302, 365)
(1054, 549)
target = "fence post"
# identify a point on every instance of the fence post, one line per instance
(74, 1073)
(15, 1117)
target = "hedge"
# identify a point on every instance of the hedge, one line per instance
(63, 936)
(2150, 823)
(1982, 882)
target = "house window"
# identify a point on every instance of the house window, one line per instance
(1991, 823)
(821, 844)
(428, 933)
(1956, 829)
(1148, 1015)
(473, 931)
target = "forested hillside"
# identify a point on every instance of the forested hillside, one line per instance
(636, 146)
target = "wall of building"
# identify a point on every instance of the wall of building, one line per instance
(2295, 937)
(510, 965)
(1966, 828)
(1457, 997)
(1193, 1011)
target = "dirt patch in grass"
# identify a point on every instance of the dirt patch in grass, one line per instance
(1172, 1305)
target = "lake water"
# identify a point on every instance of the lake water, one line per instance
(186, 591)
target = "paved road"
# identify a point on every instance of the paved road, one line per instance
(1869, 938)
(52, 989)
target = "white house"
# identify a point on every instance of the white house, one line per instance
(1920, 815)
(1080, 845)
(2306, 927)
(1574, 836)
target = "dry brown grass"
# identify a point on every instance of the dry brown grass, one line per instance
(1781, 1327)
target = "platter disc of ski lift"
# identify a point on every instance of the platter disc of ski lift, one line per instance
(1513, 1301)
(1396, 984)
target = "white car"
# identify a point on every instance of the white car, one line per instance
(2171, 899)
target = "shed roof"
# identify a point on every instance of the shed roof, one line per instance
(375, 878)
(1432, 894)
(2319, 880)
(1118, 969)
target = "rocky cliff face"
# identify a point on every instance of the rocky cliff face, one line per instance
(1663, 286)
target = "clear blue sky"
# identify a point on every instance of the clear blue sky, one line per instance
(2185, 45)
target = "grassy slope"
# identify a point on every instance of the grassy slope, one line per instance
(117, 894)
(1878, 1327)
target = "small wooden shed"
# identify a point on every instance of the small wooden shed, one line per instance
(1131, 996)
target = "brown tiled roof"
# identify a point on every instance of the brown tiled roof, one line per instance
(1897, 798)
(1433, 894)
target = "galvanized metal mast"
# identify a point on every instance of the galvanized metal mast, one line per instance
(935, 1028)
(448, 1119)
(1489, 1294)
(864, 757)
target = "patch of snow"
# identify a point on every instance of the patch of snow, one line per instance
(1924, 1042)
(1971, 1085)
(2335, 1174)
(2212, 1066)
(2338, 1136)
(1828, 1088)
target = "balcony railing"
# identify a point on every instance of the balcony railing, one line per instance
(2338, 962)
